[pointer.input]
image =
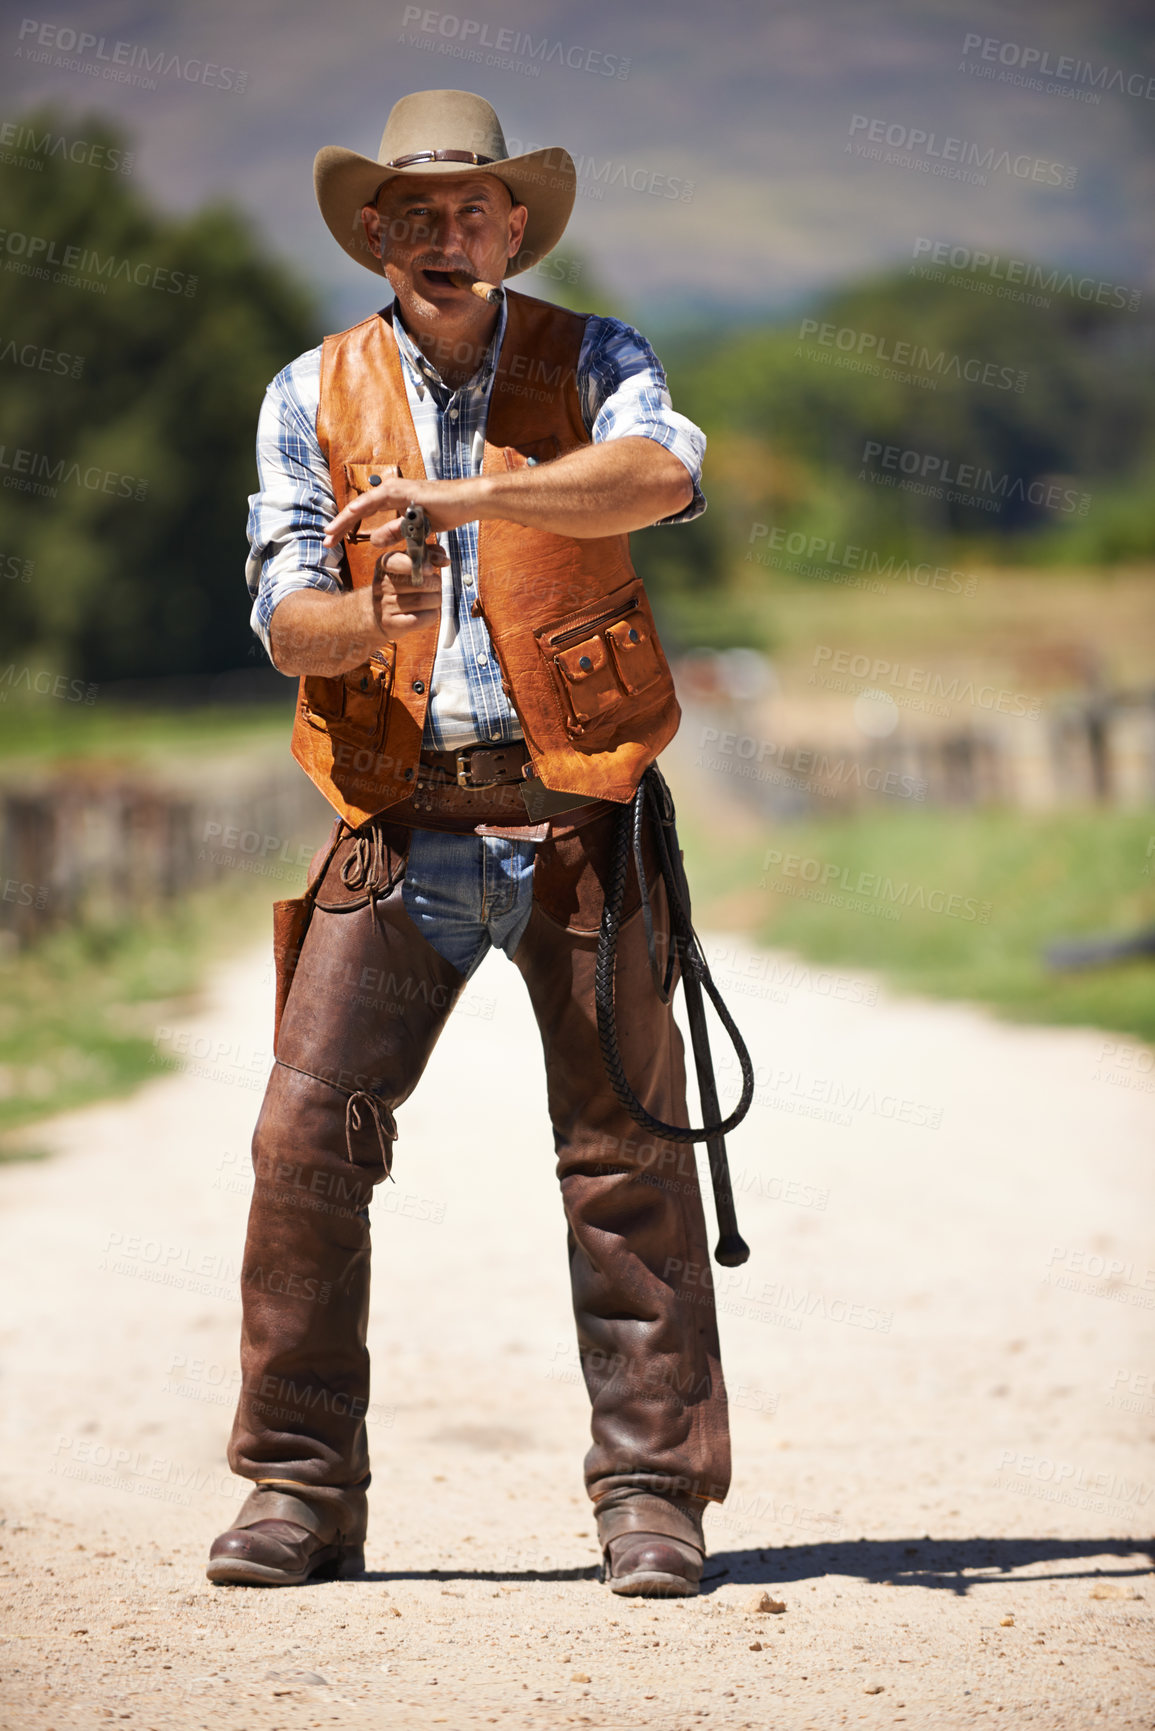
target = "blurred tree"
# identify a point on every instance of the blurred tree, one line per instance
(1057, 394)
(142, 438)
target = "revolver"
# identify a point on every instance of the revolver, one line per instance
(416, 534)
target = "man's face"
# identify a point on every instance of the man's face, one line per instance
(424, 226)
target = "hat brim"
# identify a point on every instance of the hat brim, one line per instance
(545, 181)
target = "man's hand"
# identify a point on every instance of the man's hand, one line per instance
(314, 631)
(398, 605)
(447, 504)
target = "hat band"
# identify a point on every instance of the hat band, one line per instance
(439, 156)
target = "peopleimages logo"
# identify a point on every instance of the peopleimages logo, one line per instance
(465, 38)
(15, 137)
(904, 676)
(35, 472)
(37, 255)
(60, 45)
(961, 158)
(1039, 63)
(945, 255)
(941, 477)
(910, 360)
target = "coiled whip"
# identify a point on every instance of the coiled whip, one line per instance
(684, 948)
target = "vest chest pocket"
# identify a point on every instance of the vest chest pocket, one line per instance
(603, 660)
(359, 478)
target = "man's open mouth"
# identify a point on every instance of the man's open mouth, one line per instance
(439, 278)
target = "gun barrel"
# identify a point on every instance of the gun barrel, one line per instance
(416, 535)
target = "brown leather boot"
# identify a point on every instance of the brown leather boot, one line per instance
(652, 1546)
(282, 1539)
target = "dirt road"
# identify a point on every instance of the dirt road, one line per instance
(940, 1360)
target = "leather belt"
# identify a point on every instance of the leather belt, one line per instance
(474, 766)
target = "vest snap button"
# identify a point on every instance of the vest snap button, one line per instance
(364, 682)
(419, 686)
(585, 664)
(633, 636)
(408, 775)
(374, 480)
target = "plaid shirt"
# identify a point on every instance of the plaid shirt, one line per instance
(623, 392)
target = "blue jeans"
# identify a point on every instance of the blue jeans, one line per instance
(465, 893)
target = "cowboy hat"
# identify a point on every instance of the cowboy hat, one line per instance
(445, 132)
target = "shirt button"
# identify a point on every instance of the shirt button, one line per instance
(453, 414)
(468, 580)
(482, 659)
(419, 686)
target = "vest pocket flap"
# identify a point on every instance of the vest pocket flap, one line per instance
(531, 452)
(584, 661)
(588, 672)
(359, 477)
(634, 649)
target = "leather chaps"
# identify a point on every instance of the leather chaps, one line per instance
(368, 1000)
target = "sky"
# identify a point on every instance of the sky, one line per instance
(734, 158)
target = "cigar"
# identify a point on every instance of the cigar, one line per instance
(485, 291)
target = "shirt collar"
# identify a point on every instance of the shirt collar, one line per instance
(425, 375)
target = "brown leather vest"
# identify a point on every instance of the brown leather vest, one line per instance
(569, 620)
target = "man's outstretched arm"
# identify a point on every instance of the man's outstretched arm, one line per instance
(604, 489)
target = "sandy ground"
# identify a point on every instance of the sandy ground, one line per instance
(940, 1360)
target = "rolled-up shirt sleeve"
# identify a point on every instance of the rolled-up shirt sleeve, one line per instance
(624, 393)
(287, 515)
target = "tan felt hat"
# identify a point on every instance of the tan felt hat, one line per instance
(445, 132)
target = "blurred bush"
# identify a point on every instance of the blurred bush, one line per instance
(788, 409)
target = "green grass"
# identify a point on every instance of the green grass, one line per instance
(81, 1008)
(1021, 881)
(42, 729)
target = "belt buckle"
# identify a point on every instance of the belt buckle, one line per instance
(466, 775)
(465, 770)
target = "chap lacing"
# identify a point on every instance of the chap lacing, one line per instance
(367, 867)
(353, 1122)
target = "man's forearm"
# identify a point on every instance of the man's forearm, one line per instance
(315, 631)
(606, 489)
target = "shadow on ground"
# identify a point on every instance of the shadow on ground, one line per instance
(954, 1564)
(957, 1565)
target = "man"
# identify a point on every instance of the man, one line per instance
(477, 726)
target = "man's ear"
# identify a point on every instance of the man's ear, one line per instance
(518, 217)
(370, 221)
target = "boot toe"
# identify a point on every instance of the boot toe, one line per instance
(648, 1566)
(268, 1553)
